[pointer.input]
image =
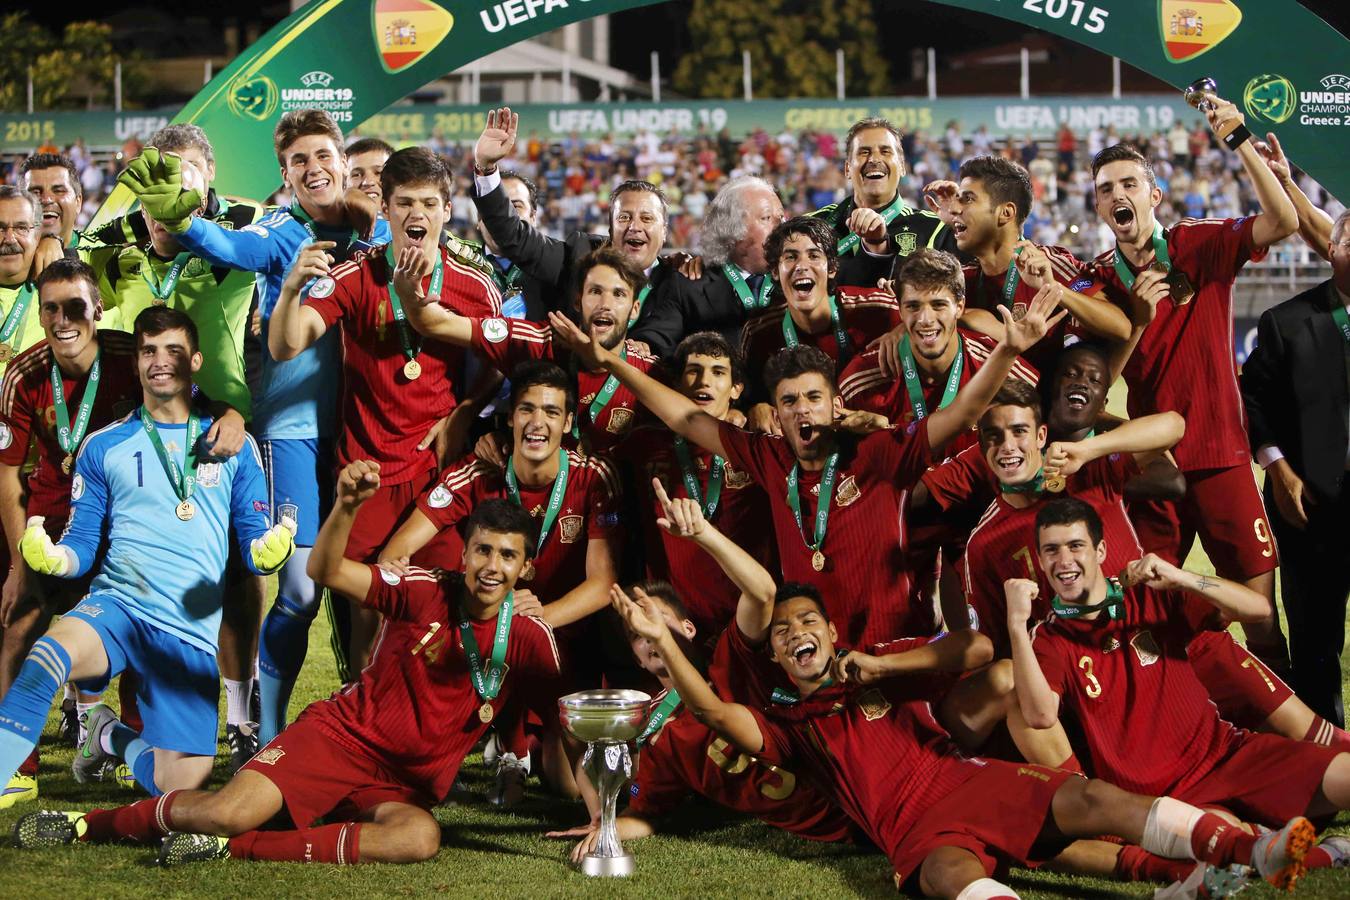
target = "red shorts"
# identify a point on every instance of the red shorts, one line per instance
(1241, 686)
(317, 775)
(996, 815)
(1222, 506)
(383, 514)
(1265, 778)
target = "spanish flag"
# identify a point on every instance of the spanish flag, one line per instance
(407, 30)
(1190, 27)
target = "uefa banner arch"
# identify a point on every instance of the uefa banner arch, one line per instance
(1284, 65)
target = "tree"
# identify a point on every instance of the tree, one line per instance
(792, 46)
(78, 66)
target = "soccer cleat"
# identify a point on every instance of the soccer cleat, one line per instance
(508, 788)
(1207, 882)
(91, 758)
(49, 828)
(1278, 855)
(243, 741)
(1337, 847)
(492, 749)
(120, 775)
(21, 789)
(180, 847)
(69, 729)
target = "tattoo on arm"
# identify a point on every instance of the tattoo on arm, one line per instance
(1203, 584)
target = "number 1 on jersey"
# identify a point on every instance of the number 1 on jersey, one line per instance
(140, 473)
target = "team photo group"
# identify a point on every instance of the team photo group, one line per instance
(830, 507)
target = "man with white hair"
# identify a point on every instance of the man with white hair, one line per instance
(733, 285)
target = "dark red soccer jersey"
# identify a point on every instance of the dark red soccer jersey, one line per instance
(864, 386)
(866, 581)
(589, 511)
(28, 414)
(385, 414)
(1148, 723)
(414, 708)
(507, 342)
(1184, 361)
(1003, 544)
(866, 314)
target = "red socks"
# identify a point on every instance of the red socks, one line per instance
(325, 844)
(1137, 864)
(1218, 842)
(30, 765)
(1323, 732)
(143, 821)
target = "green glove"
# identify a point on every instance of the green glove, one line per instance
(157, 181)
(40, 553)
(271, 551)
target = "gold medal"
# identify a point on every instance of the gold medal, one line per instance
(1179, 287)
(527, 571)
(185, 510)
(485, 712)
(412, 369)
(818, 561)
(6, 353)
(1054, 483)
(67, 464)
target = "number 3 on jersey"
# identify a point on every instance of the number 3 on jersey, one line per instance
(1093, 687)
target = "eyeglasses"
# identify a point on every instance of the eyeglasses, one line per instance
(20, 229)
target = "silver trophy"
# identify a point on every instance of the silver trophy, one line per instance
(606, 720)
(1198, 93)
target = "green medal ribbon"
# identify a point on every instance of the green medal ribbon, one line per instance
(852, 242)
(488, 684)
(67, 437)
(183, 479)
(164, 290)
(1113, 605)
(401, 317)
(305, 219)
(555, 497)
(11, 333)
(606, 392)
(1010, 280)
(642, 298)
(822, 504)
(788, 697)
(1159, 252)
(507, 280)
(790, 338)
(1035, 486)
(659, 716)
(1342, 321)
(910, 370)
(742, 288)
(715, 478)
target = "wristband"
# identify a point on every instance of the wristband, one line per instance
(1237, 137)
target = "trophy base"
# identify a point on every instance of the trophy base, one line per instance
(607, 866)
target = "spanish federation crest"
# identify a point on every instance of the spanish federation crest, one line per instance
(847, 492)
(1146, 648)
(569, 529)
(906, 242)
(208, 474)
(620, 418)
(269, 756)
(873, 705)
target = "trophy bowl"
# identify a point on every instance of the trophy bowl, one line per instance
(1198, 91)
(604, 715)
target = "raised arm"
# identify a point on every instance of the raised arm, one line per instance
(956, 651)
(1160, 431)
(328, 566)
(426, 314)
(1314, 225)
(592, 594)
(1037, 700)
(1237, 602)
(294, 328)
(1094, 313)
(1278, 218)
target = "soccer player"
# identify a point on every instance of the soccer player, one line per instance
(154, 607)
(875, 224)
(836, 498)
(862, 725)
(381, 752)
(1178, 282)
(365, 160)
(735, 282)
(609, 284)
(637, 226)
(398, 391)
(1114, 655)
(69, 307)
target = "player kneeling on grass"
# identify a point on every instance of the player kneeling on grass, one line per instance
(388, 745)
(876, 747)
(167, 508)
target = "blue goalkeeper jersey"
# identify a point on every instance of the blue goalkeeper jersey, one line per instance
(298, 398)
(167, 571)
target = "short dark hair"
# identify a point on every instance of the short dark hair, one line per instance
(542, 373)
(791, 362)
(155, 320)
(504, 517)
(366, 145)
(1123, 153)
(1004, 180)
(172, 138)
(866, 124)
(927, 270)
(1069, 511)
(1091, 347)
(818, 230)
(618, 261)
(641, 187)
(791, 590)
(1015, 393)
(663, 591)
(68, 268)
(300, 123)
(40, 161)
(530, 187)
(708, 343)
(414, 165)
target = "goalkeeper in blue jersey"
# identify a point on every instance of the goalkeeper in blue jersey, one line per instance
(161, 511)
(296, 408)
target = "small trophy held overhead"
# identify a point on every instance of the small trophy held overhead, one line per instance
(1201, 94)
(606, 720)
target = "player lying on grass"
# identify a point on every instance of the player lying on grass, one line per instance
(384, 749)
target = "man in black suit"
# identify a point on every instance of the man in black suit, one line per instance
(735, 282)
(1296, 387)
(637, 226)
(512, 280)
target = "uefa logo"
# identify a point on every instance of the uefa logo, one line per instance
(1270, 97)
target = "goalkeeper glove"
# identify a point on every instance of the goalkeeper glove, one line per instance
(271, 551)
(160, 182)
(43, 556)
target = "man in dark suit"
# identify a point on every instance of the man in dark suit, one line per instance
(735, 282)
(538, 298)
(1296, 387)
